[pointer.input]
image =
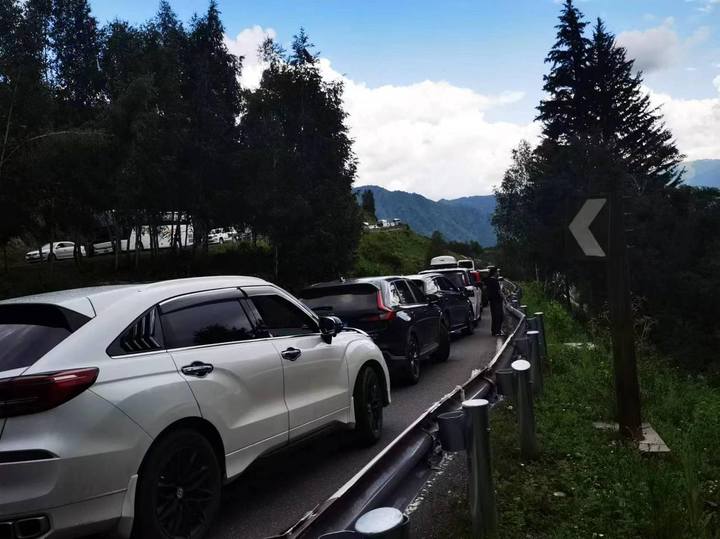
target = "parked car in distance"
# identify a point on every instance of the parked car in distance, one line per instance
(61, 250)
(221, 235)
(126, 408)
(462, 279)
(457, 311)
(406, 326)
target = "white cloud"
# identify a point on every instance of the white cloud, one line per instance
(695, 123)
(660, 47)
(430, 137)
(246, 44)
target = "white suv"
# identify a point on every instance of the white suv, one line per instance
(126, 408)
(221, 235)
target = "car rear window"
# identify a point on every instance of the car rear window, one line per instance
(340, 299)
(28, 332)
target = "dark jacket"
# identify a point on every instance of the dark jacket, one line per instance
(493, 289)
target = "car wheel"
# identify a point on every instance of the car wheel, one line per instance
(368, 399)
(412, 361)
(178, 491)
(443, 352)
(469, 323)
(221, 240)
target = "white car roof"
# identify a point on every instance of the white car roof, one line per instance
(94, 299)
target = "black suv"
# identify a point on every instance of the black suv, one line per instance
(405, 325)
(457, 311)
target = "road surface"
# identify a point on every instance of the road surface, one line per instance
(277, 491)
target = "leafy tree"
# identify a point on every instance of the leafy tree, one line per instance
(297, 147)
(75, 45)
(436, 247)
(368, 204)
(214, 100)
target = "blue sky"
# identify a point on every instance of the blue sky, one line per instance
(491, 48)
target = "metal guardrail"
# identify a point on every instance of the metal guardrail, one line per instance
(396, 475)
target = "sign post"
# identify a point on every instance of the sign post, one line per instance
(627, 387)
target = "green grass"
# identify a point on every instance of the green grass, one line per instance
(391, 252)
(590, 483)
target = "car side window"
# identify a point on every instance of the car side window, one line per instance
(417, 292)
(212, 322)
(282, 318)
(445, 284)
(430, 287)
(403, 290)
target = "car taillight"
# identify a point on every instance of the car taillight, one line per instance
(39, 392)
(386, 313)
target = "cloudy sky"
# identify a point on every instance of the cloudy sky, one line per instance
(438, 93)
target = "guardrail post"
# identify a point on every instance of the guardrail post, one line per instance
(482, 492)
(535, 361)
(525, 411)
(523, 308)
(540, 317)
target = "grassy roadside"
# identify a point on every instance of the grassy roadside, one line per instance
(589, 483)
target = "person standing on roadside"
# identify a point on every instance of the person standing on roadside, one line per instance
(496, 302)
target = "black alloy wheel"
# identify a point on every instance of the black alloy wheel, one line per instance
(412, 358)
(443, 352)
(368, 406)
(178, 489)
(469, 323)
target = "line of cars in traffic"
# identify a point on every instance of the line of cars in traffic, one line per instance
(126, 408)
(411, 317)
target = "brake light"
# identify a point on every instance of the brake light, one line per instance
(35, 393)
(386, 313)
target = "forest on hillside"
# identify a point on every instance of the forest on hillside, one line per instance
(119, 126)
(600, 133)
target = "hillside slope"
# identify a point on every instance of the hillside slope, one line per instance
(461, 219)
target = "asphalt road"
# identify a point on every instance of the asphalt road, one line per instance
(278, 490)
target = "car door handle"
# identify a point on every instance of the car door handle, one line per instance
(291, 354)
(197, 368)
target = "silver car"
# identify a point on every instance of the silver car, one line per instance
(126, 408)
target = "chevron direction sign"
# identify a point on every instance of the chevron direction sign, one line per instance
(581, 227)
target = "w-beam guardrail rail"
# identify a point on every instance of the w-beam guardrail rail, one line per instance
(397, 474)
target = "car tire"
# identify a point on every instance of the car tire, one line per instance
(412, 361)
(469, 323)
(368, 400)
(169, 484)
(221, 240)
(443, 352)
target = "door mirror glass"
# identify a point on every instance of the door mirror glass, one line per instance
(469, 292)
(432, 298)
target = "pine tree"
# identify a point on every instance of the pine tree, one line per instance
(623, 119)
(564, 112)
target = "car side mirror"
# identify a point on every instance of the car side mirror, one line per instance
(330, 326)
(468, 292)
(432, 298)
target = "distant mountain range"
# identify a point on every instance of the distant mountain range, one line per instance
(703, 172)
(459, 219)
(468, 218)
